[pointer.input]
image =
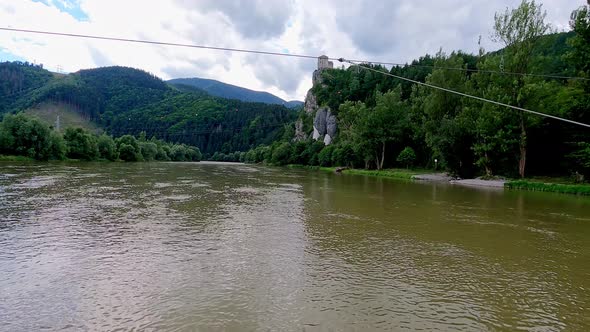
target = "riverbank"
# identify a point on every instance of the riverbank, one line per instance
(397, 173)
(573, 189)
(426, 175)
(15, 158)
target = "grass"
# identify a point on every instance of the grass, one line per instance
(532, 185)
(15, 158)
(396, 173)
(313, 168)
(69, 116)
(27, 159)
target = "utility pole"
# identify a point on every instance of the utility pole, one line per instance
(57, 123)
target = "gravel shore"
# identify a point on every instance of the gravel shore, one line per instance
(480, 183)
(442, 177)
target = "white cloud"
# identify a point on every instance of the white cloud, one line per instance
(378, 29)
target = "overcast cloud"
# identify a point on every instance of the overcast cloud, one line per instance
(386, 30)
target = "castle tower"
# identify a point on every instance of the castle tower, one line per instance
(323, 62)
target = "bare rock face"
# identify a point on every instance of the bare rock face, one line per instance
(325, 123)
(331, 124)
(319, 121)
(316, 134)
(311, 103)
(316, 78)
(299, 133)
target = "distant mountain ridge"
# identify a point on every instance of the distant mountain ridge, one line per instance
(122, 100)
(229, 91)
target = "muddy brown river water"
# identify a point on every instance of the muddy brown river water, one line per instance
(209, 246)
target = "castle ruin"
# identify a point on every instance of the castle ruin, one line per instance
(325, 63)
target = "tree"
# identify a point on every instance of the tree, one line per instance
(128, 148)
(343, 155)
(441, 117)
(581, 158)
(148, 150)
(372, 129)
(57, 146)
(107, 148)
(519, 29)
(26, 136)
(161, 155)
(281, 154)
(407, 157)
(325, 156)
(194, 153)
(579, 56)
(127, 152)
(580, 53)
(81, 144)
(178, 153)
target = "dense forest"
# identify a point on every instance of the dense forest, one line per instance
(129, 101)
(386, 122)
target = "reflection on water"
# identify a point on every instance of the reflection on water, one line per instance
(180, 246)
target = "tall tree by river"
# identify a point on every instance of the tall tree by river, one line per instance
(519, 29)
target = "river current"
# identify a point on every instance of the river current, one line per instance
(217, 246)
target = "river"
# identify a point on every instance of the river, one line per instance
(209, 246)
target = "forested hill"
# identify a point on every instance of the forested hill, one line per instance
(128, 101)
(229, 91)
(385, 122)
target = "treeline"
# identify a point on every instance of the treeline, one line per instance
(22, 135)
(380, 117)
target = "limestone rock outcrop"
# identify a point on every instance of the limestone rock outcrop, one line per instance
(311, 103)
(316, 78)
(325, 124)
(300, 135)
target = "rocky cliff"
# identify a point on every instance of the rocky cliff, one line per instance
(325, 124)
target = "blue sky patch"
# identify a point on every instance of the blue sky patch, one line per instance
(5, 56)
(71, 7)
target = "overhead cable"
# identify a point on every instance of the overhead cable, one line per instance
(305, 56)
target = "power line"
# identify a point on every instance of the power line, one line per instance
(476, 70)
(140, 41)
(304, 56)
(467, 95)
(352, 62)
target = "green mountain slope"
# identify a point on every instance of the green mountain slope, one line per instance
(230, 91)
(124, 100)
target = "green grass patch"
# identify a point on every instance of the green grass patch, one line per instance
(313, 168)
(15, 158)
(396, 173)
(405, 174)
(554, 179)
(69, 116)
(575, 189)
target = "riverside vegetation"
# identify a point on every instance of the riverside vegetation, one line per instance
(28, 138)
(383, 122)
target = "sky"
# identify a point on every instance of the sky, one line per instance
(373, 30)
